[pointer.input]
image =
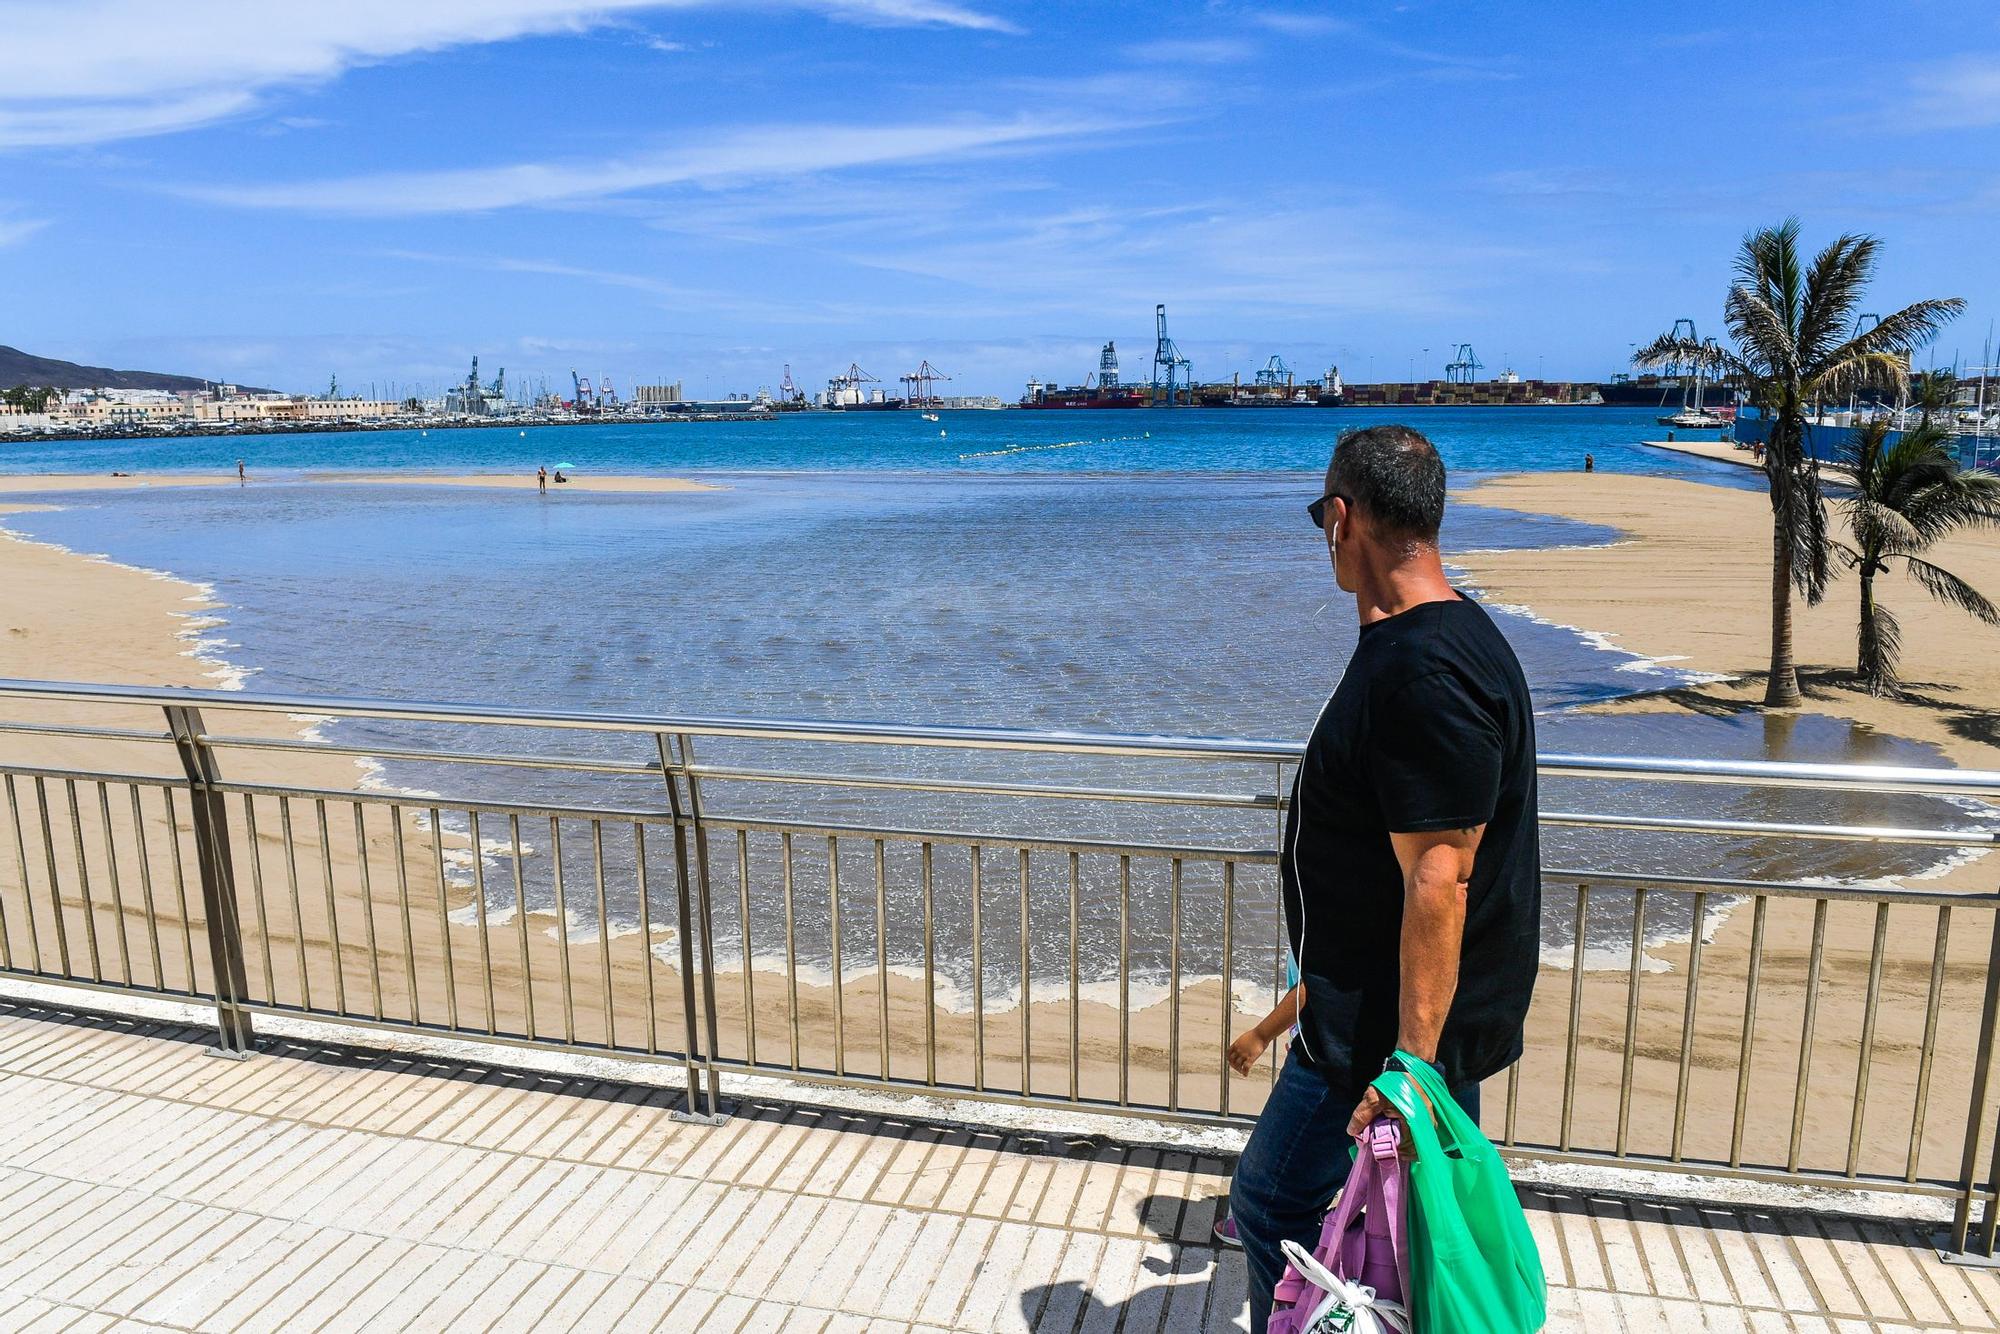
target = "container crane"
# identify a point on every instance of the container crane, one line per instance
(1464, 367)
(1275, 375)
(918, 384)
(1169, 366)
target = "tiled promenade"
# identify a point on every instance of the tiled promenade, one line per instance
(144, 1185)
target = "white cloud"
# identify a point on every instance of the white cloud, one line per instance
(733, 157)
(1957, 94)
(1193, 51)
(1298, 25)
(13, 231)
(88, 71)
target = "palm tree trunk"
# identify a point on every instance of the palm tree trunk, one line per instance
(1781, 691)
(1869, 663)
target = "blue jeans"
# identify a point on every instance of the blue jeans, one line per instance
(1293, 1166)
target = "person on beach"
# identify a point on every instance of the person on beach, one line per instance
(542, 480)
(1410, 871)
(240, 476)
(1590, 463)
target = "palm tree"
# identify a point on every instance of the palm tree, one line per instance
(1787, 320)
(1906, 496)
(1933, 392)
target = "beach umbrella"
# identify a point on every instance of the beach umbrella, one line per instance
(565, 465)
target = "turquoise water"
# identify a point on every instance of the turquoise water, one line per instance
(971, 444)
(858, 568)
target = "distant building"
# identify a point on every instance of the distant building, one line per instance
(649, 397)
(294, 409)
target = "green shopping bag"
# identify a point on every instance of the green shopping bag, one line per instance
(1474, 1268)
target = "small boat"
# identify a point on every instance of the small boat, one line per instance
(1695, 419)
(930, 416)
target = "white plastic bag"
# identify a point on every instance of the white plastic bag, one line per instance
(1348, 1308)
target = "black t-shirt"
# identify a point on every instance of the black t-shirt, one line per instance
(1430, 728)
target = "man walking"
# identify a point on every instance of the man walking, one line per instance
(1411, 868)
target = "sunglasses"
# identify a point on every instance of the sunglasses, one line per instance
(1318, 508)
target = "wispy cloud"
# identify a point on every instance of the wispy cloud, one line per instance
(1192, 50)
(738, 155)
(90, 71)
(1963, 93)
(1296, 24)
(13, 231)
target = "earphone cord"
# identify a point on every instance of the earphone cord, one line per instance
(1298, 877)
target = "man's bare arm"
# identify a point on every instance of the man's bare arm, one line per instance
(1437, 867)
(1436, 870)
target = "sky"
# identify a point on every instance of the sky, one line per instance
(708, 192)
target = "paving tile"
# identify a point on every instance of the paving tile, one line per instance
(148, 1188)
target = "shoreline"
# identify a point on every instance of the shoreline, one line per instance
(89, 617)
(1701, 553)
(266, 428)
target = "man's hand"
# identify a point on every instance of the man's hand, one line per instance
(1243, 1052)
(1373, 1104)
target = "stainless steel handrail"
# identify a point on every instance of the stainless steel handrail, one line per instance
(406, 911)
(1853, 777)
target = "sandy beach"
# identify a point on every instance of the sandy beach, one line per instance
(1689, 585)
(366, 908)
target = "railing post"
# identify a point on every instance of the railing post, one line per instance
(209, 815)
(1961, 1245)
(698, 1056)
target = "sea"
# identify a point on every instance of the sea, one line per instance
(1144, 571)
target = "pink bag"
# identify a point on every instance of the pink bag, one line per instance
(1360, 1272)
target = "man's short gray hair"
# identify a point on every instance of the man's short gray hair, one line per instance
(1395, 475)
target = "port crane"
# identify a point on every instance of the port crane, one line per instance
(845, 389)
(917, 385)
(792, 393)
(585, 395)
(1464, 366)
(1275, 375)
(1168, 363)
(607, 397)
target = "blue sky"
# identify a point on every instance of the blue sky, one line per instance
(705, 192)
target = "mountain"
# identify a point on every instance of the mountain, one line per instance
(17, 367)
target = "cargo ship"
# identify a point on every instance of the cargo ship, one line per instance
(1101, 390)
(1646, 391)
(848, 393)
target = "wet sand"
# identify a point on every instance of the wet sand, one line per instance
(1690, 585)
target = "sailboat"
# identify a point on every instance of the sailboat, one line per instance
(1693, 416)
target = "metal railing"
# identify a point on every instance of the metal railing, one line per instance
(1734, 983)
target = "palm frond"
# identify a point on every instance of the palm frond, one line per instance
(1879, 647)
(1881, 530)
(1800, 513)
(1835, 378)
(1951, 590)
(1759, 329)
(1914, 326)
(1833, 288)
(1768, 265)
(1666, 350)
